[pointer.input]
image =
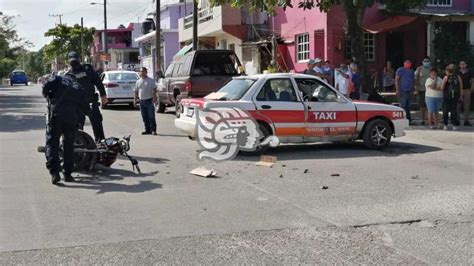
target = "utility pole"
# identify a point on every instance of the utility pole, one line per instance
(82, 40)
(58, 15)
(105, 26)
(195, 25)
(158, 36)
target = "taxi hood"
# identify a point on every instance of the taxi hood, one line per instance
(368, 106)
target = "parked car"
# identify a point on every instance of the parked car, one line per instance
(119, 86)
(195, 74)
(300, 108)
(18, 77)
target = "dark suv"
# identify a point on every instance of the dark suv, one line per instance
(195, 74)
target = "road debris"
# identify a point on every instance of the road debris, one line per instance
(281, 176)
(266, 160)
(335, 174)
(305, 171)
(324, 187)
(415, 177)
(201, 171)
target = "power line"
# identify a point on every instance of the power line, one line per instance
(58, 15)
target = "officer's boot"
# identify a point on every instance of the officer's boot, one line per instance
(68, 177)
(55, 178)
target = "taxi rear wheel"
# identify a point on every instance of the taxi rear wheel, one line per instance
(260, 149)
(377, 134)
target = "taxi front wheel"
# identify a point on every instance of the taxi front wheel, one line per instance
(377, 134)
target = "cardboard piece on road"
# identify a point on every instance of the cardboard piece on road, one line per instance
(201, 171)
(215, 95)
(266, 160)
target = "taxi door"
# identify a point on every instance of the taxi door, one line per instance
(278, 102)
(329, 115)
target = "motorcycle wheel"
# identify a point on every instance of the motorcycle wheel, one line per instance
(84, 160)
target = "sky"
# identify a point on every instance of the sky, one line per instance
(33, 20)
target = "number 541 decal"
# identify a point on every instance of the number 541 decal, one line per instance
(398, 114)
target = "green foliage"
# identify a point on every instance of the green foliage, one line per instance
(65, 39)
(33, 63)
(449, 47)
(10, 45)
(7, 65)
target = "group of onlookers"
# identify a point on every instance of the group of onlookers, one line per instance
(450, 93)
(347, 79)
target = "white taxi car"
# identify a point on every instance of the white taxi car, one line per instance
(300, 108)
(119, 85)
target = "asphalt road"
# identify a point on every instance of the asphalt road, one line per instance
(411, 203)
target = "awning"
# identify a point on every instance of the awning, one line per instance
(389, 24)
(184, 50)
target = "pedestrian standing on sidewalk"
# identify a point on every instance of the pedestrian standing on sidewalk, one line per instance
(388, 78)
(434, 97)
(343, 79)
(310, 68)
(404, 83)
(356, 80)
(145, 90)
(328, 71)
(467, 77)
(422, 73)
(451, 87)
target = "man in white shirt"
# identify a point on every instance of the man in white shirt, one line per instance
(319, 70)
(145, 90)
(342, 79)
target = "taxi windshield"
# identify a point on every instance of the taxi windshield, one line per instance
(235, 89)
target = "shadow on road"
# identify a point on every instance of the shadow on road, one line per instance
(21, 122)
(151, 160)
(102, 173)
(342, 150)
(20, 112)
(104, 187)
(100, 178)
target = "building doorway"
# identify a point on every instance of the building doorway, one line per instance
(394, 49)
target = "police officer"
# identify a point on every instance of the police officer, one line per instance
(89, 80)
(66, 105)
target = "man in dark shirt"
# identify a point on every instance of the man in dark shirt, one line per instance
(89, 80)
(467, 78)
(66, 104)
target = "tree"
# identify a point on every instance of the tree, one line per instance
(65, 39)
(449, 47)
(354, 10)
(11, 45)
(33, 63)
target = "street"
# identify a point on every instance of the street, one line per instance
(408, 204)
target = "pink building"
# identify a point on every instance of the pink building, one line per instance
(122, 48)
(313, 34)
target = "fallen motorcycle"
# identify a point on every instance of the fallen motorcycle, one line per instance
(88, 153)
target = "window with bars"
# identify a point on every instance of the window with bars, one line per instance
(302, 47)
(369, 47)
(442, 3)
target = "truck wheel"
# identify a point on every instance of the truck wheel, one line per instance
(160, 107)
(377, 134)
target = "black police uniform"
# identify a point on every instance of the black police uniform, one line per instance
(66, 104)
(88, 79)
